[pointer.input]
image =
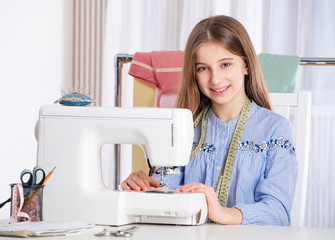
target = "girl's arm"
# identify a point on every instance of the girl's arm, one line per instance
(274, 192)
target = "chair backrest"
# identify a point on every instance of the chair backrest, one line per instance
(297, 108)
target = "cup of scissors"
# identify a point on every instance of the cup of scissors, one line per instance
(27, 196)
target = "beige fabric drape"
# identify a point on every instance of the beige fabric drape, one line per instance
(85, 43)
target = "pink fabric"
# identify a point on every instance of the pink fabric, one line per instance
(167, 100)
(161, 69)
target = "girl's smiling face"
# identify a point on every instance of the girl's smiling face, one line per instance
(220, 76)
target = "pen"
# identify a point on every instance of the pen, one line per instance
(37, 190)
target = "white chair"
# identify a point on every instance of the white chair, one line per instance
(297, 108)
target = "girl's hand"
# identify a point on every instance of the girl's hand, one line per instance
(139, 181)
(216, 212)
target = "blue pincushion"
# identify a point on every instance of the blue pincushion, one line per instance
(75, 99)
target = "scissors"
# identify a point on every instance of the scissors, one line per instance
(35, 179)
(116, 233)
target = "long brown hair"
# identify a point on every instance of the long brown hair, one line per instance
(230, 33)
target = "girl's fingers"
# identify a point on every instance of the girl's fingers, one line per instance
(136, 181)
(153, 182)
(191, 186)
(139, 181)
(125, 186)
(142, 180)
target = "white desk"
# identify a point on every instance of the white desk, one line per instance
(213, 232)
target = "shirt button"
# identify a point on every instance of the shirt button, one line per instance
(222, 141)
(218, 167)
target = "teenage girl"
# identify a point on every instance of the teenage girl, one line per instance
(243, 156)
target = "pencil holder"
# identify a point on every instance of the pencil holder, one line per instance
(26, 203)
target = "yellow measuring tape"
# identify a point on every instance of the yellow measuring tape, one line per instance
(200, 117)
(227, 166)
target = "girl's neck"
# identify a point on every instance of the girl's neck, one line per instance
(229, 111)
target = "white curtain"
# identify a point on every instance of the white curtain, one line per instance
(308, 30)
(320, 80)
(150, 25)
(294, 27)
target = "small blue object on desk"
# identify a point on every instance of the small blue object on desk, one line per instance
(75, 99)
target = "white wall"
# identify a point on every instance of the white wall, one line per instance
(31, 75)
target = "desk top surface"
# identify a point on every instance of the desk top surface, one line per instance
(212, 231)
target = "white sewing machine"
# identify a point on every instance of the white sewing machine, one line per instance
(71, 138)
